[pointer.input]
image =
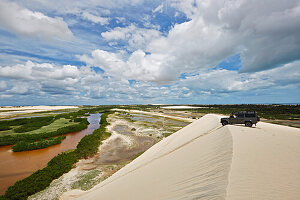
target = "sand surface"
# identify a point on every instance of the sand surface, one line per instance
(207, 161)
(6, 111)
(156, 114)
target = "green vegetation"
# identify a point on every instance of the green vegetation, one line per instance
(87, 180)
(56, 124)
(41, 179)
(4, 127)
(14, 138)
(273, 111)
(167, 134)
(40, 124)
(89, 144)
(34, 124)
(40, 144)
(26, 124)
(59, 165)
(138, 155)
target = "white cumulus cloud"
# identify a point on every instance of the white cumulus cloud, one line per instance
(95, 19)
(137, 38)
(30, 23)
(266, 35)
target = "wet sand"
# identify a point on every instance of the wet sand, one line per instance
(116, 151)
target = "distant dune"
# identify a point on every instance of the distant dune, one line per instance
(6, 111)
(207, 161)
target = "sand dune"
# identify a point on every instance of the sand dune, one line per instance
(207, 161)
(7, 111)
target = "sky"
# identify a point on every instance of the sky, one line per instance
(97, 52)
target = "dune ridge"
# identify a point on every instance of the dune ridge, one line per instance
(207, 161)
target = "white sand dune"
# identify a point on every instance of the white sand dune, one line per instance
(207, 161)
(15, 110)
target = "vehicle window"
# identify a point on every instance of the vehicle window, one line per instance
(240, 115)
(250, 115)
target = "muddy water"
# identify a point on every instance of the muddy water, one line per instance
(18, 165)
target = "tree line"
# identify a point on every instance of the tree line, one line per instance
(270, 111)
(26, 124)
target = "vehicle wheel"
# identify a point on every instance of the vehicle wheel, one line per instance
(249, 124)
(224, 123)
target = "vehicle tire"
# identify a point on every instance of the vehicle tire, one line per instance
(248, 124)
(224, 123)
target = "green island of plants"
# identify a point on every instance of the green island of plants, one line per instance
(35, 123)
(59, 165)
(14, 138)
(40, 144)
(26, 124)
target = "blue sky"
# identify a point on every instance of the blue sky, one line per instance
(137, 51)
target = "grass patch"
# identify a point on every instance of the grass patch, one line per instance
(87, 180)
(137, 155)
(58, 123)
(54, 126)
(167, 134)
(14, 138)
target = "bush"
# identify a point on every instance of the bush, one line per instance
(4, 127)
(59, 165)
(34, 124)
(89, 144)
(41, 144)
(13, 139)
(41, 179)
(26, 124)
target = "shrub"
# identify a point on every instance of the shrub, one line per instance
(41, 179)
(41, 144)
(59, 165)
(89, 144)
(4, 127)
(13, 139)
(34, 124)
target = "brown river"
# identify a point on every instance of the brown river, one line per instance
(18, 165)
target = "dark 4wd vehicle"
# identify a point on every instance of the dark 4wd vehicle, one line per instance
(243, 117)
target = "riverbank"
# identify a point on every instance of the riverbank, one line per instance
(131, 135)
(18, 165)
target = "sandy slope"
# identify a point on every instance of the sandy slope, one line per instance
(207, 161)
